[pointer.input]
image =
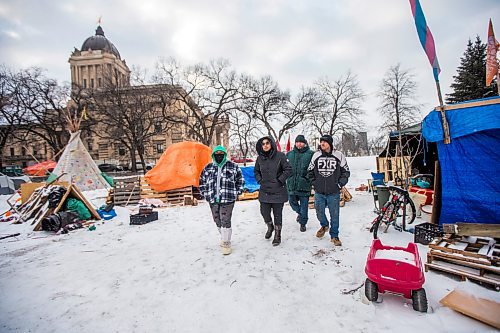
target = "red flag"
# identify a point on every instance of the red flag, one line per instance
(278, 146)
(491, 56)
(288, 144)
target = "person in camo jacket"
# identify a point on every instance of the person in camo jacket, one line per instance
(221, 181)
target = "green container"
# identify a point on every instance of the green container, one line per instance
(383, 195)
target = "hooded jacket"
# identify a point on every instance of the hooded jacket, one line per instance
(221, 182)
(298, 183)
(328, 172)
(271, 172)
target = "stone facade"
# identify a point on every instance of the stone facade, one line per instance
(97, 64)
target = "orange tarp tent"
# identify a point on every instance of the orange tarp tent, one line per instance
(40, 169)
(179, 166)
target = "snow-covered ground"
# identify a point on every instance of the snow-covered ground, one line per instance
(169, 276)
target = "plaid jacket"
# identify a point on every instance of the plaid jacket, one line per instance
(231, 182)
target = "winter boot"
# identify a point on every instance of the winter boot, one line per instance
(321, 231)
(277, 235)
(270, 229)
(226, 248)
(303, 228)
(226, 240)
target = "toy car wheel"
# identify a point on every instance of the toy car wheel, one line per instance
(419, 299)
(371, 290)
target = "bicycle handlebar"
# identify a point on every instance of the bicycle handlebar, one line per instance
(398, 189)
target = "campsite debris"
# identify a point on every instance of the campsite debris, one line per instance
(352, 291)
(320, 253)
(232, 283)
(13, 235)
(474, 258)
(481, 309)
(426, 233)
(138, 219)
(126, 191)
(362, 188)
(473, 229)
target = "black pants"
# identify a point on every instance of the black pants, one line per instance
(277, 208)
(222, 212)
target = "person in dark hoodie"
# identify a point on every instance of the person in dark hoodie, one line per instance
(271, 172)
(221, 181)
(328, 172)
(298, 186)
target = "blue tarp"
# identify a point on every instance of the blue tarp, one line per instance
(470, 164)
(250, 183)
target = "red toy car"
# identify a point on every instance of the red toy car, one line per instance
(396, 270)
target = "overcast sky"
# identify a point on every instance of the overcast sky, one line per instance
(294, 41)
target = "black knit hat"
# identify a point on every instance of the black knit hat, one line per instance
(301, 138)
(327, 138)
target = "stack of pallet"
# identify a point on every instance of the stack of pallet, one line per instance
(126, 191)
(474, 258)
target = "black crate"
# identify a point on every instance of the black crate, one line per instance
(138, 219)
(426, 232)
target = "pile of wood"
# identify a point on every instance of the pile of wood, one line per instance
(130, 190)
(36, 207)
(467, 257)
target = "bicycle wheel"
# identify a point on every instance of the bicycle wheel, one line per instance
(380, 226)
(409, 213)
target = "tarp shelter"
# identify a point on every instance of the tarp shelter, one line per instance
(79, 167)
(251, 184)
(40, 169)
(179, 166)
(470, 164)
(6, 185)
(422, 155)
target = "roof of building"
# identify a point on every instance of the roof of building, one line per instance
(100, 42)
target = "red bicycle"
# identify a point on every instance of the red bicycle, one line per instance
(398, 211)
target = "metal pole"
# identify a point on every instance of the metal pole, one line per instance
(446, 128)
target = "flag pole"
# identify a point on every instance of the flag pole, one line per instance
(441, 108)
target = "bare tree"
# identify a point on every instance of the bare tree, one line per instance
(397, 93)
(341, 111)
(131, 116)
(39, 103)
(245, 130)
(205, 94)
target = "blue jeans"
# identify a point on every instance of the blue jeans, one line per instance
(332, 201)
(299, 205)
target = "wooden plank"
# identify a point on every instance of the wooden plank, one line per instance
(469, 262)
(469, 105)
(28, 188)
(463, 274)
(478, 229)
(484, 310)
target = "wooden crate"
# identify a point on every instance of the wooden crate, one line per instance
(392, 167)
(127, 191)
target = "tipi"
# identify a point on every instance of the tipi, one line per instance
(79, 167)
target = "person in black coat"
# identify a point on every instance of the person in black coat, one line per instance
(272, 169)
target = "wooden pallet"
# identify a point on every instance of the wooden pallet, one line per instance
(176, 196)
(126, 191)
(148, 193)
(467, 258)
(464, 272)
(476, 247)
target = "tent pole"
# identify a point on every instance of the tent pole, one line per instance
(446, 128)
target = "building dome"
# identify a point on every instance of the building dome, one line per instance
(100, 42)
